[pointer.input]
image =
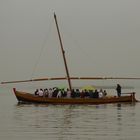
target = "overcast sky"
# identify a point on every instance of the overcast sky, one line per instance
(100, 37)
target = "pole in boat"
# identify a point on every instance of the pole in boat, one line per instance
(71, 78)
(63, 53)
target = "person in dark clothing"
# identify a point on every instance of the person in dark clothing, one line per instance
(96, 94)
(118, 90)
(73, 93)
(36, 92)
(86, 93)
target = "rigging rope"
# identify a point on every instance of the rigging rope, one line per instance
(42, 48)
(80, 48)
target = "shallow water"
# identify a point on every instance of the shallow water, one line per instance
(67, 122)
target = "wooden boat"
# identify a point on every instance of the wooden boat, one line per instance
(25, 97)
(31, 98)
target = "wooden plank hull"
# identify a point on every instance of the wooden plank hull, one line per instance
(30, 98)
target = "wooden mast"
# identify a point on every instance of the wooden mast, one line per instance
(63, 53)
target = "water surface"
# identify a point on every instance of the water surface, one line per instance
(67, 122)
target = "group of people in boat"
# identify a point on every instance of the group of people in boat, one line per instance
(66, 93)
(76, 93)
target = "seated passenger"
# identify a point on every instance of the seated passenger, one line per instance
(96, 94)
(77, 92)
(40, 92)
(104, 93)
(100, 93)
(91, 93)
(59, 94)
(68, 93)
(55, 92)
(46, 93)
(50, 93)
(64, 93)
(82, 94)
(86, 93)
(73, 93)
(36, 92)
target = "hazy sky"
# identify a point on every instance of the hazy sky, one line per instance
(100, 37)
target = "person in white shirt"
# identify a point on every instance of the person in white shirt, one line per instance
(40, 92)
(100, 93)
(68, 93)
(46, 93)
(59, 94)
(50, 93)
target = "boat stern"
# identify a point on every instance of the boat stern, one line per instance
(133, 97)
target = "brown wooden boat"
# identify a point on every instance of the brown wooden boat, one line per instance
(25, 97)
(31, 98)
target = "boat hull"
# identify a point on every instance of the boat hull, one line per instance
(30, 98)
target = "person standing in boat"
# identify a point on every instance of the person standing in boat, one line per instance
(118, 88)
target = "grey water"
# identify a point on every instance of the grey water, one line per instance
(68, 122)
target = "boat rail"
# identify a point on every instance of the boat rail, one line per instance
(132, 94)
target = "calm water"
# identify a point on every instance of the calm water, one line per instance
(67, 122)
